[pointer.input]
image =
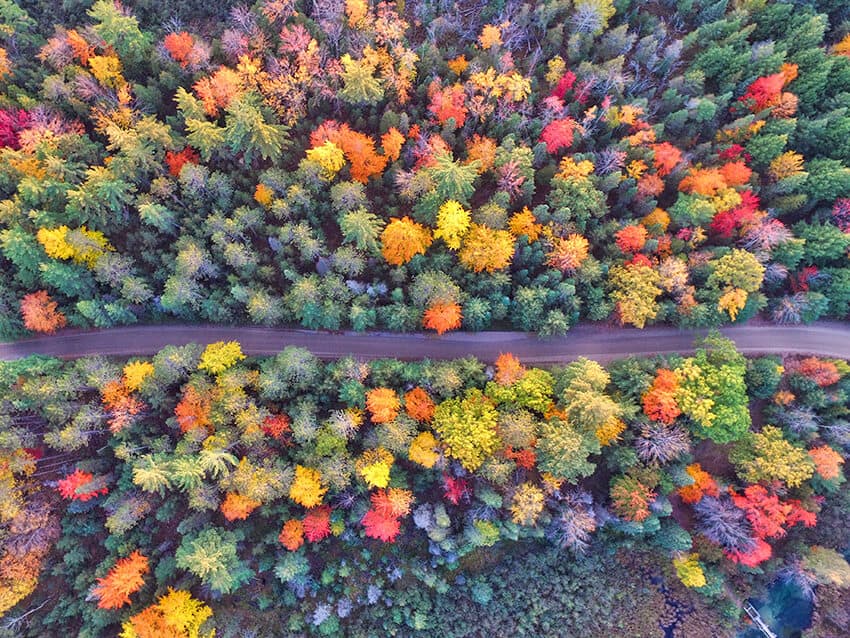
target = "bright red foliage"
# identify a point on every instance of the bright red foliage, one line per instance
(381, 527)
(558, 134)
(455, 489)
(525, 458)
(764, 92)
(175, 161)
(317, 523)
(277, 426)
(80, 486)
(12, 123)
(566, 83)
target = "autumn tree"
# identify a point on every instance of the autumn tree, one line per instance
(41, 313)
(174, 615)
(219, 356)
(125, 578)
(527, 504)
(768, 456)
(659, 402)
(307, 489)
(442, 317)
(452, 223)
(402, 239)
(467, 426)
(211, 556)
(383, 404)
(631, 499)
(635, 288)
(568, 253)
(419, 404)
(485, 249)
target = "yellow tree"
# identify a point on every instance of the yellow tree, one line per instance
(486, 249)
(306, 489)
(220, 356)
(568, 253)
(175, 615)
(452, 223)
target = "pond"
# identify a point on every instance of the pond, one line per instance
(787, 611)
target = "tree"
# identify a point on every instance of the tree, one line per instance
(452, 223)
(193, 410)
(568, 253)
(635, 289)
(689, 570)
(361, 228)
(125, 578)
(292, 534)
(659, 403)
(526, 504)
(768, 456)
(374, 466)
(317, 524)
(236, 506)
(330, 157)
(249, 133)
(564, 452)
(424, 450)
(359, 83)
(211, 556)
(467, 427)
(486, 249)
(419, 404)
(558, 134)
(442, 317)
(631, 499)
(220, 356)
(383, 405)
(827, 462)
(179, 47)
(81, 486)
(631, 239)
(402, 239)
(175, 615)
(380, 526)
(41, 313)
(306, 489)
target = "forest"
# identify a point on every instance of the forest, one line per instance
(424, 165)
(407, 166)
(201, 492)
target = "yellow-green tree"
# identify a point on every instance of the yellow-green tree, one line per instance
(769, 456)
(635, 288)
(467, 427)
(220, 356)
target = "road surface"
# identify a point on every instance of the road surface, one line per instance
(594, 342)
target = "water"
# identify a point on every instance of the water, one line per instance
(786, 611)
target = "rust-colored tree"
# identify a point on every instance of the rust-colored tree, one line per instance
(41, 313)
(125, 578)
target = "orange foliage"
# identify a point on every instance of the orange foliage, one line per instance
(824, 373)
(828, 462)
(447, 103)
(82, 49)
(117, 399)
(237, 507)
(703, 485)
(179, 46)
(442, 317)
(650, 185)
(317, 523)
(383, 404)
(508, 369)
(193, 411)
(524, 223)
(482, 149)
(278, 427)
(736, 173)
(125, 578)
(292, 534)
(703, 181)
(402, 239)
(567, 254)
(392, 502)
(525, 458)
(41, 313)
(419, 404)
(631, 239)
(359, 149)
(217, 90)
(175, 161)
(667, 157)
(391, 142)
(659, 402)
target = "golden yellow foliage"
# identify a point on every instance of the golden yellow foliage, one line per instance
(423, 450)
(306, 489)
(135, 374)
